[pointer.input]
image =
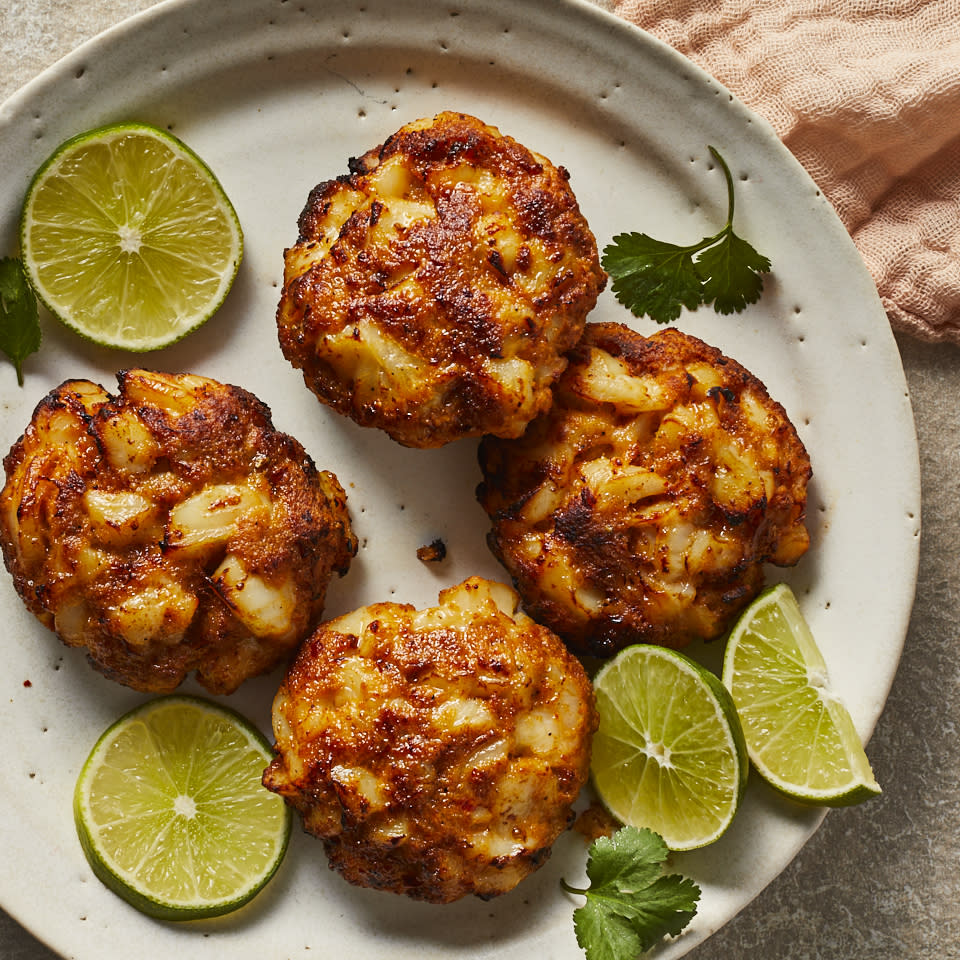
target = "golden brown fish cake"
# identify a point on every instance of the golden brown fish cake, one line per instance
(434, 291)
(170, 528)
(436, 752)
(642, 507)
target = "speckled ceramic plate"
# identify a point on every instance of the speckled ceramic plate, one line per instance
(276, 95)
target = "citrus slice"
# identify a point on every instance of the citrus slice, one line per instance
(801, 739)
(669, 752)
(171, 812)
(128, 238)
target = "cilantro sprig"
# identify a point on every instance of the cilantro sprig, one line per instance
(655, 278)
(631, 905)
(19, 325)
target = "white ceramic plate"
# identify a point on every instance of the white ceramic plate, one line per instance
(276, 95)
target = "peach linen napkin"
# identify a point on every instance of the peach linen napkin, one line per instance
(866, 94)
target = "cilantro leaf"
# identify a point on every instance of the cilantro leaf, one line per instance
(669, 905)
(654, 277)
(604, 934)
(731, 273)
(631, 858)
(631, 905)
(657, 279)
(19, 326)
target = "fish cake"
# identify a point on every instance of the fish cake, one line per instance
(170, 528)
(643, 506)
(434, 291)
(436, 752)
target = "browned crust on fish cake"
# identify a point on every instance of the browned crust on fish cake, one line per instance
(170, 528)
(437, 752)
(643, 506)
(434, 291)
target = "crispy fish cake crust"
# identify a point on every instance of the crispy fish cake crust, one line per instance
(434, 291)
(170, 528)
(642, 506)
(437, 752)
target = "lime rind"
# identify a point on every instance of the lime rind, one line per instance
(121, 829)
(669, 753)
(174, 266)
(801, 739)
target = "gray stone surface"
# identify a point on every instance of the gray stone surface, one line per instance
(877, 882)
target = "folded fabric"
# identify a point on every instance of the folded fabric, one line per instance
(866, 94)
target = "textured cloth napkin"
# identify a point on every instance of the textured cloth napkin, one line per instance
(866, 94)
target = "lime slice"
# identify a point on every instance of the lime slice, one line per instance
(128, 238)
(669, 752)
(171, 812)
(801, 739)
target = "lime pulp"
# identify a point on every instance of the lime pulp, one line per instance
(669, 753)
(171, 812)
(800, 736)
(128, 238)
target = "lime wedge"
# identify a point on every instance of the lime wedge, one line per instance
(171, 812)
(669, 752)
(128, 238)
(801, 739)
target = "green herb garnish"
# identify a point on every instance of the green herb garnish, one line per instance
(656, 278)
(19, 326)
(631, 904)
